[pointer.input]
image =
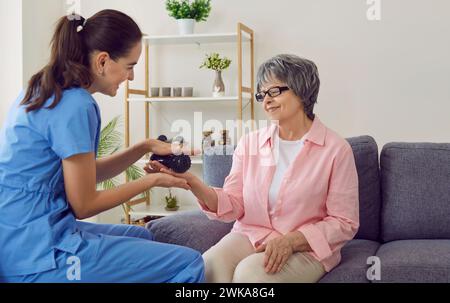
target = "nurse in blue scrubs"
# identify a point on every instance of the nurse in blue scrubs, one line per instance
(49, 170)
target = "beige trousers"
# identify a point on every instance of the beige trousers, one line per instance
(233, 259)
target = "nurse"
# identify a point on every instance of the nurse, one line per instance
(49, 170)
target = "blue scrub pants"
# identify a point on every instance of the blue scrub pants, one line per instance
(122, 254)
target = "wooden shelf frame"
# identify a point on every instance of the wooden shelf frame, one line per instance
(243, 34)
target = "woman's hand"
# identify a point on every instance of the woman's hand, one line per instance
(165, 180)
(278, 251)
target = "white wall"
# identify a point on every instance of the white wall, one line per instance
(11, 53)
(39, 21)
(26, 28)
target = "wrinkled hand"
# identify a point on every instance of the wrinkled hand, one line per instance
(278, 251)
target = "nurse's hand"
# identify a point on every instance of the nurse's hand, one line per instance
(165, 180)
(151, 167)
(162, 148)
(156, 167)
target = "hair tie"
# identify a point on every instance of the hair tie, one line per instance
(81, 27)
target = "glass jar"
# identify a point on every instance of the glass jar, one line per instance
(207, 141)
(224, 138)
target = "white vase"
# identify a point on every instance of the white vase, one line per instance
(218, 86)
(186, 26)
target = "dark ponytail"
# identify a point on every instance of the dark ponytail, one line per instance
(75, 38)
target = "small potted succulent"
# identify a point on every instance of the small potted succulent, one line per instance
(171, 202)
(187, 13)
(215, 62)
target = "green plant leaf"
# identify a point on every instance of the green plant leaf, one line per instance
(110, 139)
(184, 9)
(214, 62)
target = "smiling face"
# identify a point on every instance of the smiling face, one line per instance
(109, 74)
(283, 107)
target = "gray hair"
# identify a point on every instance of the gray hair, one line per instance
(301, 75)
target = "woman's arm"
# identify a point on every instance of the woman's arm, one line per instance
(297, 241)
(111, 166)
(201, 191)
(80, 186)
(342, 205)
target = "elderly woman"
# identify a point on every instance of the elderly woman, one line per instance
(292, 188)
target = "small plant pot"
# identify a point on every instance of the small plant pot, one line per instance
(171, 202)
(186, 26)
(172, 208)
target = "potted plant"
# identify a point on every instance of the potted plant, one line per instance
(187, 13)
(215, 62)
(171, 202)
(110, 141)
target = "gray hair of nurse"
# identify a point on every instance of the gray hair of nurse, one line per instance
(300, 76)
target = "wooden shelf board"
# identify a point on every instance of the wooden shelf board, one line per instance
(194, 39)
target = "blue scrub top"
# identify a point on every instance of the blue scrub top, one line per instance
(35, 217)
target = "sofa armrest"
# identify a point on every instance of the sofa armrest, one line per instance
(192, 229)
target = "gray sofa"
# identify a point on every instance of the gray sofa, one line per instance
(404, 215)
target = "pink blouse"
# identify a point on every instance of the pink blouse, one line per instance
(318, 195)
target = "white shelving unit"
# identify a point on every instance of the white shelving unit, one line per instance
(243, 101)
(196, 39)
(216, 100)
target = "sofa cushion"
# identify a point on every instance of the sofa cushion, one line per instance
(365, 151)
(353, 266)
(217, 163)
(415, 191)
(191, 228)
(415, 261)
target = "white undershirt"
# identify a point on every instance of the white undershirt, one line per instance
(286, 152)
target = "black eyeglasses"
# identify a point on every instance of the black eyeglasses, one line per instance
(273, 92)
